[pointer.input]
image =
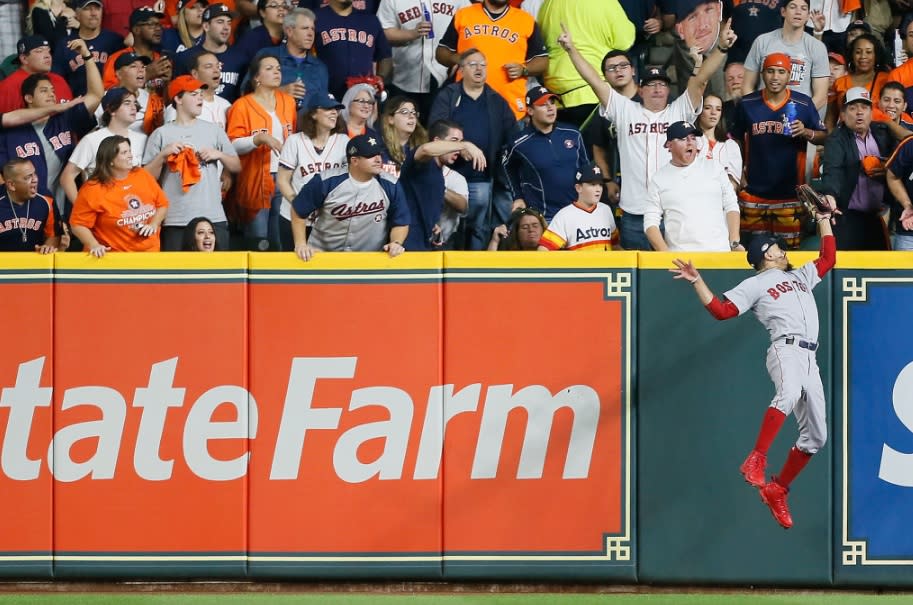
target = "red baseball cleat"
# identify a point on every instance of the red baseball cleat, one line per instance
(774, 496)
(753, 468)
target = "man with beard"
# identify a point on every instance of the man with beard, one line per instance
(693, 198)
(543, 159)
(642, 126)
(509, 38)
(146, 27)
(216, 34)
(359, 208)
(351, 43)
(809, 69)
(102, 44)
(202, 144)
(775, 150)
(781, 298)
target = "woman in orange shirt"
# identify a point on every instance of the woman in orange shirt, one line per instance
(120, 208)
(258, 124)
(868, 66)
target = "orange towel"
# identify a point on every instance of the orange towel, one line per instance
(187, 163)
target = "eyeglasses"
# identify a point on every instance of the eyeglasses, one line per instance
(476, 64)
(275, 7)
(407, 112)
(364, 101)
(152, 24)
(656, 84)
(617, 67)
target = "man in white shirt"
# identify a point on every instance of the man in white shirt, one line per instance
(693, 197)
(641, 125)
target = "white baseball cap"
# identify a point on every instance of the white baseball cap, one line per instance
(858, 93)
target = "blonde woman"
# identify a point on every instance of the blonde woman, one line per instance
(188, 28)
(401, 131)
(51, 19)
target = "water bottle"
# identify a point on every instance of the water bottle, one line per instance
(428, 19)
(900, 55)
(789, 116)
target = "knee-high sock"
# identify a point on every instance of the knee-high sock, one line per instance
(770, 426)
(794, 464)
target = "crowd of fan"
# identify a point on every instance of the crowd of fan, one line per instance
(368, 125)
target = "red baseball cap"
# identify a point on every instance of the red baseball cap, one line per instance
(778, 60)
(184, 83)
(837, 58)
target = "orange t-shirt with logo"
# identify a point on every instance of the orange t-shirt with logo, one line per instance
(502, 40)
(114, 212)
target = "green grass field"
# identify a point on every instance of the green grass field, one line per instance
(779, 598)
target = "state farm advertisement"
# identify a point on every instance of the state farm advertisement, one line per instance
(339, 419)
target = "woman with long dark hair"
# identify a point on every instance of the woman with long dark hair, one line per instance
(318, 146)
(868, 64)
(199, 236)
(717, 145)
(121, 207)
(258, 124)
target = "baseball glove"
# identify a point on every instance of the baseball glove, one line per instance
(813, 201)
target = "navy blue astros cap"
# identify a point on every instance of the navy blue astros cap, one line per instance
(655, 73)
(682, 130)
(364, 146)
(589, 173)
(323, 101)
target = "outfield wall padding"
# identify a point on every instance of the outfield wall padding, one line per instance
(455, 416)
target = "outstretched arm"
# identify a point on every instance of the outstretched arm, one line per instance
(719, 309)
(586, 71)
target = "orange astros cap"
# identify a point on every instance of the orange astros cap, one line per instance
(184, 83)
(778, 60)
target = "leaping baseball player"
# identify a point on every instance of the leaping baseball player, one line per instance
(781, 298)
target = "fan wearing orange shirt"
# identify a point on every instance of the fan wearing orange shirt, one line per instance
(120, 208)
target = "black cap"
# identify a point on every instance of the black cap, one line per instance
(85, 3)
(217, 10)
(860, 24)
(759, 245)
(364, 146)
(30, 43)
(590, 173)
(654, 73)
(130, 58)
(143, 14)
(538, 95)
(681, 130)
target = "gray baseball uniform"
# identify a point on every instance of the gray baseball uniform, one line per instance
(783, 302)
(353, 216)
